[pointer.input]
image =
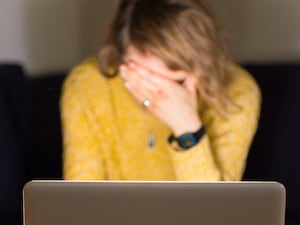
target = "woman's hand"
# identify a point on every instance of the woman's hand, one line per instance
(174, 102)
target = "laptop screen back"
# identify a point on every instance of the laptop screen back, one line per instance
(153, 203)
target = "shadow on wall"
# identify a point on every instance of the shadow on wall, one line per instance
(59, 34)
(262, 31)
(95, 17)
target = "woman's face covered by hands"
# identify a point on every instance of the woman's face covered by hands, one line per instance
(169, 95)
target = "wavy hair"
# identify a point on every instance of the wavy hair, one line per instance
(184, 34)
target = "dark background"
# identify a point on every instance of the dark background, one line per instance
(31, 142)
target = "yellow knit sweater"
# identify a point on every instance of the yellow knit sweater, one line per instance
(106, 134)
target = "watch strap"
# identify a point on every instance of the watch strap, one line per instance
(187, 140)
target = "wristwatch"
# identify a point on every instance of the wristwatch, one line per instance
(187, 140)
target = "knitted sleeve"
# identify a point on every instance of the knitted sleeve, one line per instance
(82, 156)
(222, 153)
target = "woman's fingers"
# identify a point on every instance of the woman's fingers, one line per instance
(140, 82)
(173, 103)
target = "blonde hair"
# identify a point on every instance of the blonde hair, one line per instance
(184, 34)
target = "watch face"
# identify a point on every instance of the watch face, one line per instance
(187, 141)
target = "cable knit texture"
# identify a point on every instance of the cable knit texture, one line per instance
(106, 133)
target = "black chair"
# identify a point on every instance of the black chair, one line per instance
(14, 141)
(275, 151)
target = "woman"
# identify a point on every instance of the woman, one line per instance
(168, 103)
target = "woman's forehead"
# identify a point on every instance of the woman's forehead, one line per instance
(152, 63)
(146, 59)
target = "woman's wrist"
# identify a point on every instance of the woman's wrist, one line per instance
(187, 127)
(187, 140)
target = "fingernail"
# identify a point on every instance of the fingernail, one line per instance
(131, 64)
(122, 71)
(127, 85)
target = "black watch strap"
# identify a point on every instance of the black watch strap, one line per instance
(186, 141)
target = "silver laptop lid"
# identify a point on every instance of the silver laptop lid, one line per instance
(153, 203)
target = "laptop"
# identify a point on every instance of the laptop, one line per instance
(153, 203)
